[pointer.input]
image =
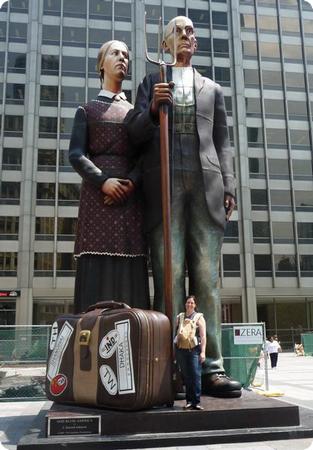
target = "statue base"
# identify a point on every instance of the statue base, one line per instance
(246, 419)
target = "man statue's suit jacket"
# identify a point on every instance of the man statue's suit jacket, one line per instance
(214, 148)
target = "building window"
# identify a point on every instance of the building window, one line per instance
(302, 169)
(46, 159)
(15, 93)
(98, 36)
(65, 265)
(204, 46)
(48, 95)
(276, 138)
(124, 36)
(219, 20)
(255, 137)
(64, 163)
(297, 110)
(69, 194)
(300, 139)
(228, 106)
(261, 232)
(253, 107)
(17, 32)
(9, 227)
(74, 8)
(306, 265)
(257, 167)
(10, 192)
(199, 17)
(52, 7)
(122, 11)
(8, 264)
(66, 228)
(304, 200)
(292, 52)
(153, 13)
(45, 193)
(231, 265)
(272, 79)
(48, 127)
(274, 109)
(258, 199)
(263, 265)
(283, 232)
(43, 264)
(66, 125)
(278, 168)
(13, 126)
(49, 65)
(305, 232)
(281, 200)
(269, 51)
(251, 77)
(3, 31)
(51, 34)
(247, 21)
(73, 36)
(267, 23)
(231, 231)
(222, 75)
(73, 66)
(44, 228)
(290, 25)
(12, 158)
(221, 48)
(249, 49)
(16, 62)
(170, 12)
(19, 6)
(285, 265)
(101, 9)
(294, 81)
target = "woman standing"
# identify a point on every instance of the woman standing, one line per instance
(109, 247)
(190, 344)
(273, 348)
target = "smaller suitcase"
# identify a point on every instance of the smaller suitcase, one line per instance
(112, 356)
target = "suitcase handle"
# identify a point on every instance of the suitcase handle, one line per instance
(108, 305)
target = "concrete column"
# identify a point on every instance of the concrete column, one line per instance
(249, 310)
(138, 50)
(24, 306)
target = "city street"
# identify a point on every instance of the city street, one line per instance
(293, 378)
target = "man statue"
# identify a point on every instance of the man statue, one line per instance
(202, 188)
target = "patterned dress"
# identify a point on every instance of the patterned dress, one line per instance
(109, 247)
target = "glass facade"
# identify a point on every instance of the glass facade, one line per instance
(261, 52)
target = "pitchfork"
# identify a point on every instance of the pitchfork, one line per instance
(165, 172)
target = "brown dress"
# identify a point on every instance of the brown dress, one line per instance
(109, 247)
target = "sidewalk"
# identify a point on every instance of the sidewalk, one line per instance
(293, 377)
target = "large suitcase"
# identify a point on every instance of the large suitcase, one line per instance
(112, 356)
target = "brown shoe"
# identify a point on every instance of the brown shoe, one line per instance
(220, 385)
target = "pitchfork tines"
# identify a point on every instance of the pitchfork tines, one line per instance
(160, 59)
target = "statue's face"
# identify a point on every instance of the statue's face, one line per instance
(186, 42)
(115, 64)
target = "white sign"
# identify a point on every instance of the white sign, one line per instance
(60, 346)
(124, 360)
(248, 334)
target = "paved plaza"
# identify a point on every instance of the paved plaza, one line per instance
(293, 377)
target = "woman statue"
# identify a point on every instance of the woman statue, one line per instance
(109, 247)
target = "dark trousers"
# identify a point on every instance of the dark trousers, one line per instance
(190, 366)
(274, 357)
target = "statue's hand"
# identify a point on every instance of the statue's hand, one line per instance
(115, 189)
(162, 94)
(128, 185)
(229, 204)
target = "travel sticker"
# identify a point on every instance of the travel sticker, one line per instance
(108, 379)
(108, 344)
(58, 384)
(59, 349)
(124, 359)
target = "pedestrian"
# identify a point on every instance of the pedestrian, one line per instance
(109, 246)
(190, 343)
(273, 348)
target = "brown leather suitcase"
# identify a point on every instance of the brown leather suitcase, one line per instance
(112, 356)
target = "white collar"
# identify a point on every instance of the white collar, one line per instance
(109, 94)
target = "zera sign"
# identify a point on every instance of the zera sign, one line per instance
(248, 334)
